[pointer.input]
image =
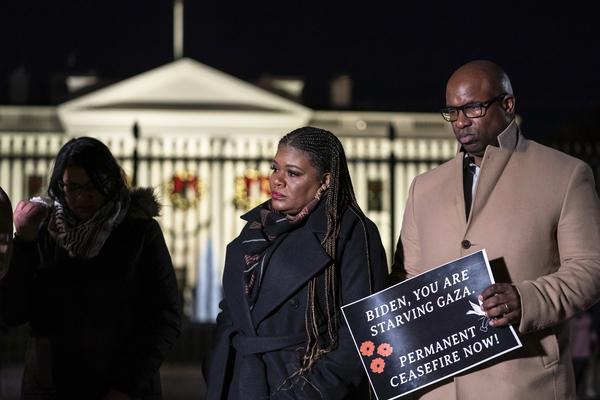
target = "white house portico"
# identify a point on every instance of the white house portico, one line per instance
(182, 97)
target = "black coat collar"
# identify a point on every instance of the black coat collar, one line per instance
(317, 220)
(297, 259)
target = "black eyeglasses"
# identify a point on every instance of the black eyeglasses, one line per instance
(471, 110)
(74, 190)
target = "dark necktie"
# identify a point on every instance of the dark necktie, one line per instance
(468, 174)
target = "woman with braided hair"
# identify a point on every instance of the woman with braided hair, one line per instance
(301, 256)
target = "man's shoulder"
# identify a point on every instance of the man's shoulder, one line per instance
(533, 153)
(438, 180)
(540, 153)
(441, 172)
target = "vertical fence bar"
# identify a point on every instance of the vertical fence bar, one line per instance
(392, 168)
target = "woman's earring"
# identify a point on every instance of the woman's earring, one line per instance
(319, 192)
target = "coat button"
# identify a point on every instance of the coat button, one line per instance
(465, 244)
(294, 303)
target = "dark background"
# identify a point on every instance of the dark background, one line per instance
(399, 54)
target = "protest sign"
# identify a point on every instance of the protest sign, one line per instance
(427, 328)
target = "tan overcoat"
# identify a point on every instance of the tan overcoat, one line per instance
(536, 213)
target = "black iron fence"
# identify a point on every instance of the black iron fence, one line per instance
(222, 183)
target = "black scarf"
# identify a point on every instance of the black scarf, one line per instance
(258, 239)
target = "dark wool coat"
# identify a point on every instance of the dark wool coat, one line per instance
(256, 351)
(99, 323)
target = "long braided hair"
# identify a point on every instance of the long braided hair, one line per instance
(326, 155)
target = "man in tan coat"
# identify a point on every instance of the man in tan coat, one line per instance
(536, 213)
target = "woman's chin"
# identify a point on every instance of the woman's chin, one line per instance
(83, 216)
(277, 205)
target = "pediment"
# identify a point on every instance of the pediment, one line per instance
(183, 93)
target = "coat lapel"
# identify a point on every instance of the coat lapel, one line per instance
(491, 170)
(235, 293)
(295, 261)
(235, 290)
(494, 162)
(458, 196)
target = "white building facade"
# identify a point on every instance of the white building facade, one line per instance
(204, 140)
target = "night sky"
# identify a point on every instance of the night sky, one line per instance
(399, 54)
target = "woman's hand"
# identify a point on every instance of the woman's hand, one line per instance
(115, 394)
(27, 217)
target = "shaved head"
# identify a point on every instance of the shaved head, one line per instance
(486, 72)
(479, 82)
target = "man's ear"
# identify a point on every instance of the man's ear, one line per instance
(508, 104)
(325, 180)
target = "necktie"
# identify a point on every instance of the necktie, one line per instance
(469, 171)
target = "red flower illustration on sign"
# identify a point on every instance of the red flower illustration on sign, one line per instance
(366, 349)
(385, 349)
(377, 365)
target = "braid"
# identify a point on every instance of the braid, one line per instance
(326, 155)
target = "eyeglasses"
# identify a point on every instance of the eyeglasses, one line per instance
(471, 110)
(74, 190)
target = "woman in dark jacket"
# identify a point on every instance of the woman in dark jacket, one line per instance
(301, 256)
(95, 282)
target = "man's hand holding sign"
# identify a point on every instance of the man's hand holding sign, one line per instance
(501, 303)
